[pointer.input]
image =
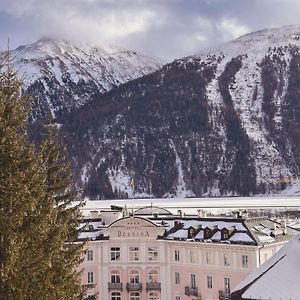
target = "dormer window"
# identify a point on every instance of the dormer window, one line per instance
(224, 234)
(191, 233)
(177, 224)
(207, 233)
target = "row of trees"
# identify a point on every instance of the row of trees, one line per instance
(38, 224)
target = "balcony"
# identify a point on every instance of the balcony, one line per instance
(191, 291)
(224, 295)
(153, 286)
(134, 287)
(117, 286)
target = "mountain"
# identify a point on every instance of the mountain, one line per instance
(60, 75)
(224, 122)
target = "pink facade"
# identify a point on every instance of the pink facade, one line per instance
(138, 258)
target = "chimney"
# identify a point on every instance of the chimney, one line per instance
(245, 213)
(283, 225)
(274, 232)
(94, 214)
(177, 224)
(201, 213)
(235, 214)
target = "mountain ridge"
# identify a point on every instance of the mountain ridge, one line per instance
(209, 125)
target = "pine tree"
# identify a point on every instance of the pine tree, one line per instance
(21, 185)
(65, 253)
(38, 224)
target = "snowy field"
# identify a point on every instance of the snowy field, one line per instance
(191, 205)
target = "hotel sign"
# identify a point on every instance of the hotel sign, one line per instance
(133, 233)
(133, 228)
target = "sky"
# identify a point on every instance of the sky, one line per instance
(167, 29)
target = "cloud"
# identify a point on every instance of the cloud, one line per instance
(230, 29)
(165, 28)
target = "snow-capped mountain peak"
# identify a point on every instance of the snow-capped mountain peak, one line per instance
(258, 42)
(61, 75)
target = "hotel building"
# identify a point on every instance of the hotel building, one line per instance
(152, 254)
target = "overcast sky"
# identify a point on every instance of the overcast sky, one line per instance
(163, 28)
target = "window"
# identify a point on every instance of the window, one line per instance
(208, 258)
(115, 253)
(90, 277)
(153, 276)
(207, 233)
(176, 255)
(177, 298)
(152, 254)
(115, 296)
(134, 276)
(192, 257)
(134, 254)
(245, 261)
(226, 259)
(177, 278)
(191, 233)
(266, 256)
(153, 296)
(115, 276)
(225, 234)
(89, 254)
(209, 280)
(135, 296)
(227, 285)
(193, 280)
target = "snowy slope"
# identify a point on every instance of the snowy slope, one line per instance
(247, 91)
(61, 75)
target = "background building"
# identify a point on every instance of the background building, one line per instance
(153, 254)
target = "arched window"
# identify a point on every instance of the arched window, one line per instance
(153, 276)
(134, 276)
(115, 276)
(135, 296)
(153, 296)
(115, 296)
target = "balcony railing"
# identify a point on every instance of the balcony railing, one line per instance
(115, 286)
(153, 286)
(224, 295)
(191, 291)
(132, 287)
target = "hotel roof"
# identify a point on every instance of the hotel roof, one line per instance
(247, 231)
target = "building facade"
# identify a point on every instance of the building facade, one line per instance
(158, 256)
